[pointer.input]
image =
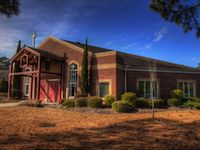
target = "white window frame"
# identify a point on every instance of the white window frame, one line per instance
(74, 82)
(188, 84)
(148, 80)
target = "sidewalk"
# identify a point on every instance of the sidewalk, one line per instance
(11, 104)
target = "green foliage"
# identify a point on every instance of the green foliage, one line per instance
(179, 12)
(95, 102)
(129, 98)
(177, 94)
(121, 106)
(158, 103)
(84, 77)
(174, 102)
(142, 103)
(192, 104)
(9, 7)
(81, 102)
(16, 93)
(17, 79)
(109, 99)
(68, 103)
(147, 103)
(194, 99)
(4, 86)
(4, 63)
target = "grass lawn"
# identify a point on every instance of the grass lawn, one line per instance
(49, 128)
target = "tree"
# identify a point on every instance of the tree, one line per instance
(17, 79)
(181, 12)
(84, 78)
(198, 66)
(152, 68)
(4, 63)
(9, 7)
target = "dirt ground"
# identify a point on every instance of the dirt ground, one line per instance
(30, 128)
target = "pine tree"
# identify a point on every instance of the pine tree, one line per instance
(9, 7)
(17, 79)
(84, 79)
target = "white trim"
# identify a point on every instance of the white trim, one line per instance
(165, 71)
(188, 86)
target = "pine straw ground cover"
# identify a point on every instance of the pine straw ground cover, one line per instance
(49, 128)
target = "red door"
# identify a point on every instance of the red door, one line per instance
(54, 91)
(50, 90)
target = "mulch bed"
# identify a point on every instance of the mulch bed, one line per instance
(25, 128)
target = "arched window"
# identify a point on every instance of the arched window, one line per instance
(73, 79)
(27, 84)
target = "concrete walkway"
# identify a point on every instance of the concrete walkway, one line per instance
(11, 104)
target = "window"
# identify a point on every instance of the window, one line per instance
(145, 87)
(73, 80)
(103, 89)
(188, 88)
(27, 84)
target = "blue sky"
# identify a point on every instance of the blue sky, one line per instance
(128, 25)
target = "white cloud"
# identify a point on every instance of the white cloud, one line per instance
(160, 34)
(109, 43)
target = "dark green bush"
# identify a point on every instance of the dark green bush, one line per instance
(178, 94)
(68, 103)
(174, 102)
(95, 102)
(194, 99)
(121, 106)
(109, 99)
(16, 93)
(4, 86)
(142, 103)
(129, 98)
(81, 102)
(158, 103)
(192, 104)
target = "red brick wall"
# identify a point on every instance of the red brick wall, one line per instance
(167, 81)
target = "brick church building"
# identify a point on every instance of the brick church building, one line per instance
(52, 72)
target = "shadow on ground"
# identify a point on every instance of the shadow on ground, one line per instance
(134, 134)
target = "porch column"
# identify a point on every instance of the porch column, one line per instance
(64, 76)
(10, 80)
(38, 77)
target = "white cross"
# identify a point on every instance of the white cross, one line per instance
(34, 35)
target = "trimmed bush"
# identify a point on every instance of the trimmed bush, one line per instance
(121, 106)
(158, 103)
(142, 103)
(129, 98)
(16, 93)
(194, 99)
(95, 102)
(68, 103)
(109, 99)
(178, 94)
(191, 104)
(173, 102)
(81, 102)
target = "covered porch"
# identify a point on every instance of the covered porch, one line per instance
(41, 75)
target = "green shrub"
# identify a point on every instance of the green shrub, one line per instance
(194, 99)
(142, 103)
(68, 103)
(192, 104)
(121, 106)
(95, 102)
(81, 102)
(158, 103)
(178, 94)
(109, 99)
(4, 86)
(129, 98)
(174, 102)
(16, 93)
